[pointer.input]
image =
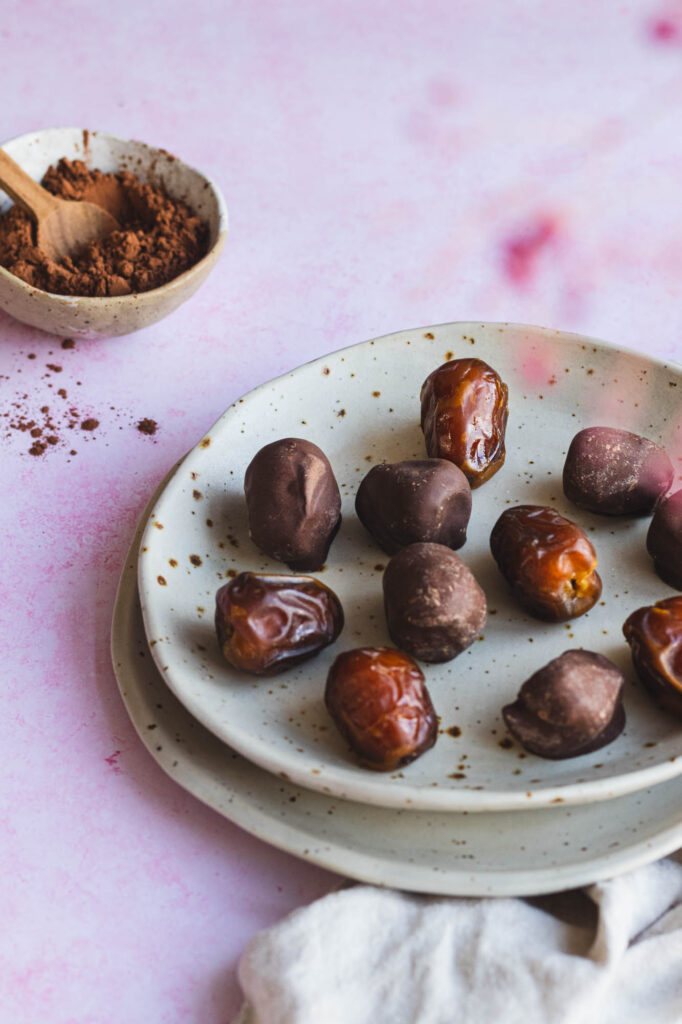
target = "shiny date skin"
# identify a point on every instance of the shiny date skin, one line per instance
(548, 562)
(654, 634)
(268, 623)
(464, 417)
(378, 700)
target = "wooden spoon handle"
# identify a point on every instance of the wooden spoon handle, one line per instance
(26, 192)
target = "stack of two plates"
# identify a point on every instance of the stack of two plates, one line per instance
(476, 815)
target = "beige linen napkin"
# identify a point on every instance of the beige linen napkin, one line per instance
(609, 954)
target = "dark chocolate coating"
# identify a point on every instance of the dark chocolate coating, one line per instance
(293, 502)
(434, 606)
(268, 623)
(654, 634)
(402, 503)
(379, 702)
(664, 540)
(571, 706)
(614, 472)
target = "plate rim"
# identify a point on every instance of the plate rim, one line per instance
(407, 796)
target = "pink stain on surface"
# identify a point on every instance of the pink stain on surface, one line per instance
(112, 761)
(521, 252)
(665, 30)
(441, 92)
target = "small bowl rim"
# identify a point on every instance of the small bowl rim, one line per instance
(134, 297)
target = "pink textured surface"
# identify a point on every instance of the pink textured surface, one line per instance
(385, 165)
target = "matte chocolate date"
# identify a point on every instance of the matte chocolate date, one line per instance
(548, 562)
(402, 503)
(655, 637)
(571, 706)
(664, 540)
(379, 702)
(269, 623)
(614, 472)
(293, 502)
(434, 607)
(464, 417)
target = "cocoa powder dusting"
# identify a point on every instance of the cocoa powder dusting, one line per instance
(159, 239)
(147, 426)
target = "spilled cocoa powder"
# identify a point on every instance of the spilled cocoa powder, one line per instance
(43, 429)
(147, 426)
(160, 237)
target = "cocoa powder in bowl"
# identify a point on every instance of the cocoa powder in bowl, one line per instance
(160, 237)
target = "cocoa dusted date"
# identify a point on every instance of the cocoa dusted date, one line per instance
(654, 634)
(664, 540)
(434, 607)
(378, 700)
(615, 472)
(401, 503)
(548, 562)
(571, 706)
(268, 623)
(294, 503)
(464, 417)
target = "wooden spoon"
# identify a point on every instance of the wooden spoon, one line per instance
(64, 226)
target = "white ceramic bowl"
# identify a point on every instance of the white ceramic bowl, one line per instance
(85, 317)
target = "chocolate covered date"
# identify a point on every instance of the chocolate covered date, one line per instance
(654, 634)
(402, 503)
(571, 706)
(268, 623)
(293, 502)
(464, 417)
(548, 562)
(614, 472)
(378, 700)
(664, 540)
(434, 606)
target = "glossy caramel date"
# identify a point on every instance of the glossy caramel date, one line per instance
(378, 700)
(654, 634)
(464, 417)
(268, 623)
(548, 562)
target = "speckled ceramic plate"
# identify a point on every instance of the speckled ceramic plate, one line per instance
(361, 405)
(498, 854)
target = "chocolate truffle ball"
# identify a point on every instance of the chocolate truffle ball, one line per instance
(664, 540)
(569, 707)
(434, 606)
(402, 503)
(615, 472)
(293, 502)
(379, 702)
(654, 634)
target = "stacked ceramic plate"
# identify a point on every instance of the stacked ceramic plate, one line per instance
(476, 814)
